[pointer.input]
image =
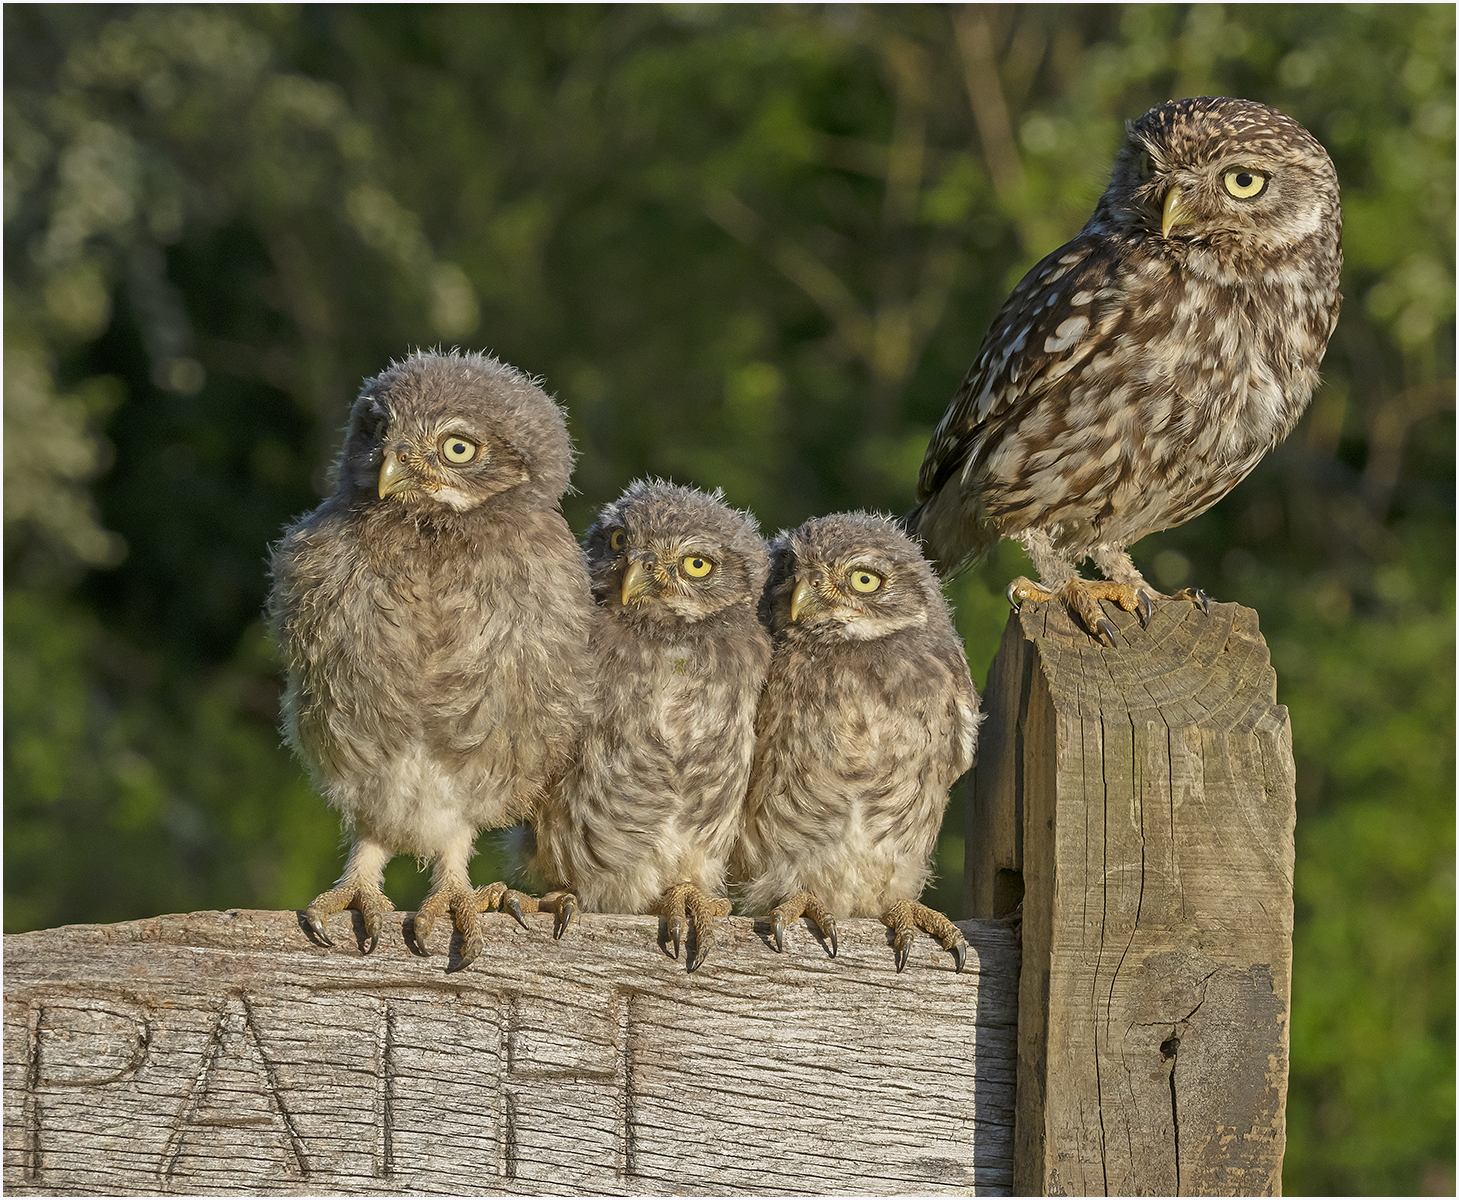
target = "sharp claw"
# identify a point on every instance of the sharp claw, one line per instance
(422, 928)
(371, 940)
(1144, 606)
(565, 914)
(903, 949)
(514, 906)
(777, 927)
(701, 950)
(960, 955)
(1104, 628)
(318, 926)
(470, 948)
(1197, 597)
(676, 931)
(1014, 602)
(831, 937)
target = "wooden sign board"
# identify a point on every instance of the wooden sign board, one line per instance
(223, 1052)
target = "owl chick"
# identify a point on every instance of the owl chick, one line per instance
(1138, 373)
(645, 819)
(869, 716)
(434, 613)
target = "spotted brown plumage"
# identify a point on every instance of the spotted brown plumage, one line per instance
(1138, 373)
(645, 819)
(433, 614)
(869, 716)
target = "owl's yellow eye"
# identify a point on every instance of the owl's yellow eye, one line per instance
(865, 581)
(458, 450)
(1245, 185)
(696, 566)
(617, 540)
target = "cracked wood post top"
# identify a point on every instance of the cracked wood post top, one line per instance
(1141, 801)
(225, 1052)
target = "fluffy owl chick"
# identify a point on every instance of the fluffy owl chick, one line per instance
(1138, 373)
(869, 716)
(646, 818)
(434, 614)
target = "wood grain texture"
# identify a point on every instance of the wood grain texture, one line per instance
(1154, 789)
(217, 1053)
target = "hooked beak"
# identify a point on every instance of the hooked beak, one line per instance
(804, 594)
(1173, 213)
(395, 476)
(637, 580)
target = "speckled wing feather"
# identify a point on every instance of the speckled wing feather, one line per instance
(1031, 364)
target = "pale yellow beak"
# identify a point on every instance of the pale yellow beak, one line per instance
(803, 595)
(636, 581)
(1174, 213)
(395, 476)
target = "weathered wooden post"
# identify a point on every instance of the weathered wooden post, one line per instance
(1140, 801)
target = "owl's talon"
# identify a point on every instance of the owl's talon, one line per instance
(1196, 596)
(563, 914)
(905, 917)
(364, 898)
(470, 948)
(512, 904)
(1144, 606)
(703, 939)
(799, 905)
(489, 896)
(372, 929)
(462, 902)
(1105, 629)
(902, 948)
(685, 900)
(317, 925)
(1015, 601)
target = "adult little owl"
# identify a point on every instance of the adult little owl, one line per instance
(434, 613)
(1139, 372)
(869, 716)
(645, 819)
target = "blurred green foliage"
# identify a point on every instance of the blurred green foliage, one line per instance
(749, 247)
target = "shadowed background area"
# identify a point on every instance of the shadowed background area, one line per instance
(745, 247)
